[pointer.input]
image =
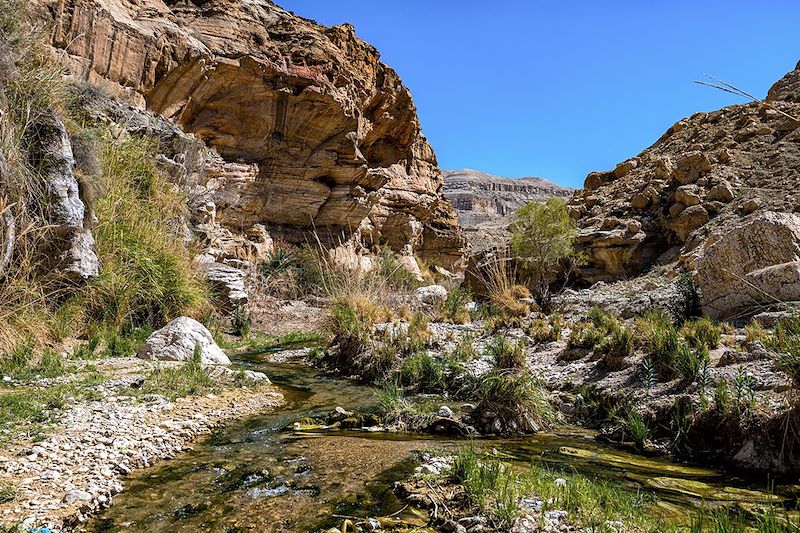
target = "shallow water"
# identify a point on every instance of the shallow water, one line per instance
(255, 475)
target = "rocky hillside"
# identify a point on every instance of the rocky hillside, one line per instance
(486, 203)
(313, 129)
(715, 196)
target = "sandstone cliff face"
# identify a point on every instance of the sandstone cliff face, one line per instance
(315, 130)
(706, 175)
(485, 203)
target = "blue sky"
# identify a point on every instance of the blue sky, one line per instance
(558, 89)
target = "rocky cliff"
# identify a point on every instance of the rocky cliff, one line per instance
(485, 203)
(708, 175)
(315, 131)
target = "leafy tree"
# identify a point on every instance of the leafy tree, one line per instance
(542, 237)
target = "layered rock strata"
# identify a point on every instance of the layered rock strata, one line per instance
(316, 131)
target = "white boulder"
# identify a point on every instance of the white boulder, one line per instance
(177, 341)
(432, 294)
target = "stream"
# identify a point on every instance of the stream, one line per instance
(256, 475)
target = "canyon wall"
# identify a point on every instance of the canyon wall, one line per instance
(320, 134)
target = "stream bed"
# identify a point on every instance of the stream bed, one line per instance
(257, 475)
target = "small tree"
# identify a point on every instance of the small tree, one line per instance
(542, 235)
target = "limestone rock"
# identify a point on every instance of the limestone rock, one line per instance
(752, 264)
(681, 189)
(432, 294)
(227, 282)
(177, 341)
(787, 88)
(689, 220)
(328, 133)
(69, 241)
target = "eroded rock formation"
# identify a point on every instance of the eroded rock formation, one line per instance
(315, 131)
(708, 174)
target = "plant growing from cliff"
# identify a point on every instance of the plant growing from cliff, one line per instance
(542, 236)
(148, 277)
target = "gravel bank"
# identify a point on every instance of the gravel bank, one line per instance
(59, 481)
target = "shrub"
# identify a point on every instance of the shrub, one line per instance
(397, 410)
(506, 353)
(517, 401)
(584, 336)
(454, 308)
(785, 341)
(702, 332)
(423, 373)
(544, 331)
(637, 428)
(754, 332)
(148, 277)
(391, 269)
(618, 344)
(7, 493)
(541, 236)
(241, 321)
(500, 278)
(188, 379)
(672, 355)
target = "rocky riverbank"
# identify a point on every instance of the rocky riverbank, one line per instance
(80, 463)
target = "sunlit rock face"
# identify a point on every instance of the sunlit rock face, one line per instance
(330, 133)
(706, 176)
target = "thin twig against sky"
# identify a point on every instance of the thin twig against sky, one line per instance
(717, 83)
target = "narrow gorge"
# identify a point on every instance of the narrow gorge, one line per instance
(238, 293)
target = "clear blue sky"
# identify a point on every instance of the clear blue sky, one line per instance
(557, 89)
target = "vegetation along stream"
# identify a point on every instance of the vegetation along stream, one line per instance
(262, 474)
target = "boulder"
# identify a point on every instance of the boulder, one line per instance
(177, 342)
(227, 284)
(688, 221)
(432, 294)
(753, 264)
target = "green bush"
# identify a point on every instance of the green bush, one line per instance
(618, 343)
(636, 426)
(454, 309)
(702, 332)
(423, 373)
(397, 410)
(785, 341)
(506, 353)
(148, 277)
(542, 235)
(517, 400)
(585, 336)
(188, 379)
(241, 321)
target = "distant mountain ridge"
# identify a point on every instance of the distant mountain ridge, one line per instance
(486, 203)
